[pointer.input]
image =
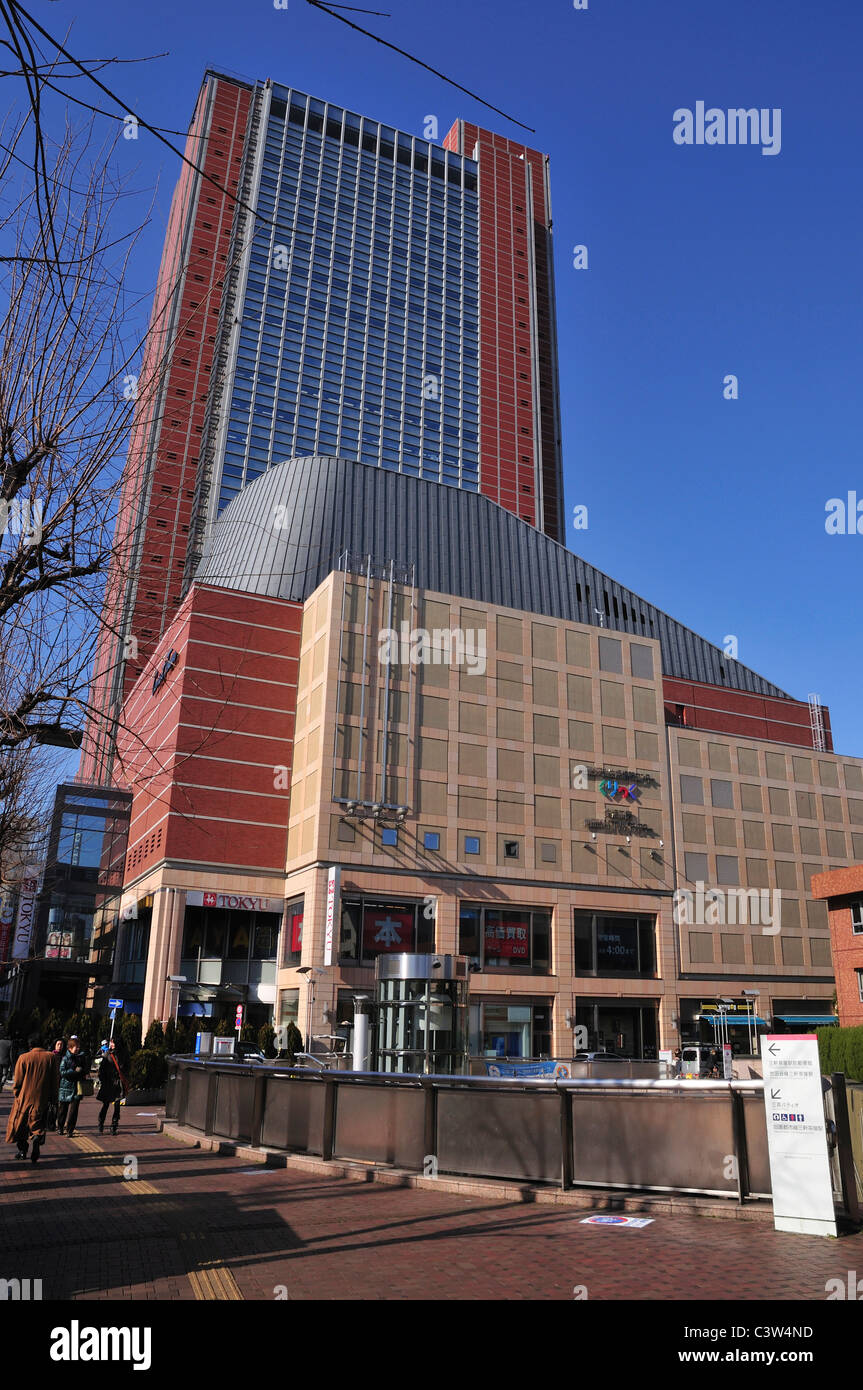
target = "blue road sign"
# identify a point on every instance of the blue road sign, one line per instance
(115, 1003)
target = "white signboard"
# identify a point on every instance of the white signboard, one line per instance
(242, 902)
(27, 890)
(727, 1066)
(796, 1135)
(333, 878)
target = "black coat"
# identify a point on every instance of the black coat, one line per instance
(110, 1085)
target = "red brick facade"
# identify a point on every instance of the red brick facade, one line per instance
(723, 711)
(518, 357)
(201, 753)
(841, 887)
(144, 585)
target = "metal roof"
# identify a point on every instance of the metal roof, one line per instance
(283, 534)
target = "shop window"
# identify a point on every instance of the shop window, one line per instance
(504, 1029)
(373, 927)
(294, 932)
(512, 939)
(614, 945)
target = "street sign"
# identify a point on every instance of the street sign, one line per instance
(727, 1067)
(797, 1135)
(115, 1003)
(238, 1021)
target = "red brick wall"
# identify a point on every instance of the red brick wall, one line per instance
(723, 711)
(846, 946)
(199, 754)
(165, 439)
(513, 236)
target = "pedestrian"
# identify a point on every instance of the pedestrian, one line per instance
(5, 1058)
(35, 1088)
(57, 1051)
(73, 1070)
(678, 1062)
(113, 1087)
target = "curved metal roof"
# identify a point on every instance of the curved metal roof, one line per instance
(283, 534)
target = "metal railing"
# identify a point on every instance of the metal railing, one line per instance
(700, 1137)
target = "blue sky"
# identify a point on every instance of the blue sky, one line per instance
(703, 261)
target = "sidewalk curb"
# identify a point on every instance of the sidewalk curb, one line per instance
(586, 1199)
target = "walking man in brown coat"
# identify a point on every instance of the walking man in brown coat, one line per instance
(35, 1087)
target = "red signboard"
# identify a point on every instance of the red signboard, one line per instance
(386, 930)
(511, 941)
(296, 922)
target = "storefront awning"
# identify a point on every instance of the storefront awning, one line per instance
(806, 1018)
(736, 1021)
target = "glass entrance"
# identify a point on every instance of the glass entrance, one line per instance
(421, 1025)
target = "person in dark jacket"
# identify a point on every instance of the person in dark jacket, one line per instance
(73, 1069)
(5, 1058)
(113, 1087)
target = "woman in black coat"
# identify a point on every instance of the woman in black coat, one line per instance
(113, 1087)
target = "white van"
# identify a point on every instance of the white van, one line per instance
(694, 1061)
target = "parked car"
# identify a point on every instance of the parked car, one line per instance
(600, 1057)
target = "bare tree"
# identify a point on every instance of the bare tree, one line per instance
(67, 393)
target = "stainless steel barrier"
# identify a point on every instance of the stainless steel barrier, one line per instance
(706, 1137)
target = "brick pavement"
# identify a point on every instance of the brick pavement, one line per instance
(197, 1225)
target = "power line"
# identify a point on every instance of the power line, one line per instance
(318, 5)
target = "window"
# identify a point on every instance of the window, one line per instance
(500, 1028)
(691, 790)
(389, 836)
(614, 945)
(431, 840)
(505, 940)
(641, 660)
(471, 844)
(859, 974)
(857, 918)
(373, 927)
(293, 932)
(610, 654)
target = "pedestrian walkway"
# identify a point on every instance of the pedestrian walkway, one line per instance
(196, 1225)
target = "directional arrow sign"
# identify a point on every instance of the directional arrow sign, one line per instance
(796, 1135)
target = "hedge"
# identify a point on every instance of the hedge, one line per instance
(148, 1070)
(841, 1050)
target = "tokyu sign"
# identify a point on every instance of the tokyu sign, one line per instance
(241, 902)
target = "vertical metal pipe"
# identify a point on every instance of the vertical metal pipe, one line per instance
(363, 679)
(387, 682)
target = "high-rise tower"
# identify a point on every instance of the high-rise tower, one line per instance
(332, 285)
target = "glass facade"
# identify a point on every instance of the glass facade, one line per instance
(358, 317)
(224, 946)
(616, 944)
(505, 1028)
(372, 927)
(505, 939)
